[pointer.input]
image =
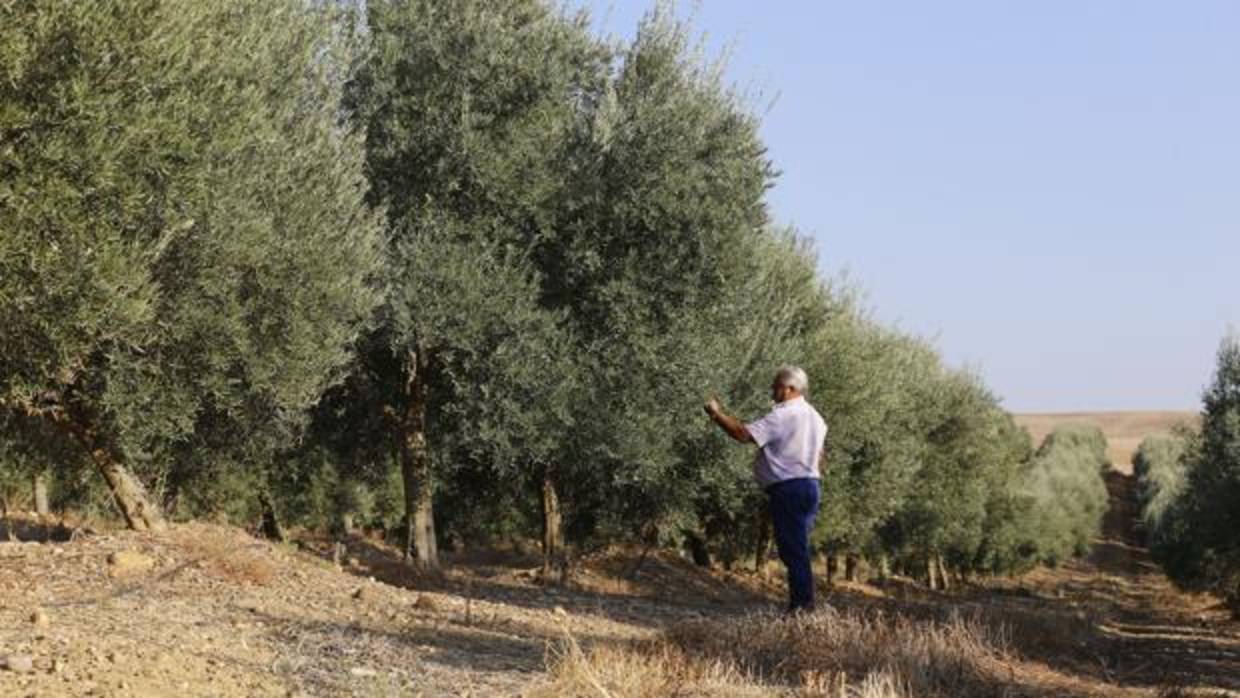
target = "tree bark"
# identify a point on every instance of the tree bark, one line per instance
(40, 494)
(851, 564)
(944, 576)
(553, 524)
(833, 568)
(763, 542)
(884, 567)
(931, 578)
(128, 493)
(139, 512)
(650, 538)
(271, 526)
(697, 548)
(415, 466)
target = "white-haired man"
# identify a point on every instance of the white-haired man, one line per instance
(790, 442)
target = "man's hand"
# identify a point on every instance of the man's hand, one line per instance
(730, 425)
(713, 407)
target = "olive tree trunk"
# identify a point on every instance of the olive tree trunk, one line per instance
(129, 494)
(40, 494)
(884, 567)
(944, 575)
(553, 524)
(270, 526)
(698, 549)
(420, 548)
(851, 566)
(762, 544)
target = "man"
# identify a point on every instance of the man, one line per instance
(790, 442)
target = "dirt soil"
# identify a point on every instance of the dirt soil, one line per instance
(210, 611)
(206, 610)
(1110, 624)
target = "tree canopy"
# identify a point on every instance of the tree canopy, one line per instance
(1194, 499)
(186, 258)
(458, 270)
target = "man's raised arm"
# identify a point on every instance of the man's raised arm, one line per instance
(730, 425)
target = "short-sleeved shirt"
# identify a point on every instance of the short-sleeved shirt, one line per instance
(790, 439)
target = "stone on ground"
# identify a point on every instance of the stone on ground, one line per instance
(19, 663)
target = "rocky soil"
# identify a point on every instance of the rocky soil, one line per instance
(204, 610)
(207, 610)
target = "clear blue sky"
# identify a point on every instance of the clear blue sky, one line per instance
(1051, 189)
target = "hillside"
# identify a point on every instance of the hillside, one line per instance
(1124, 430)
(205, 610)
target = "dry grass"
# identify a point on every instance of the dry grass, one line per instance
(1124, 430)
(648, 670)
(854, 654)
(227, 556)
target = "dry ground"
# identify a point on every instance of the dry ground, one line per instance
(1108, 625)
(219, 613)
(1124, 430)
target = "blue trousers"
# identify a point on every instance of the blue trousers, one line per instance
(794, 505)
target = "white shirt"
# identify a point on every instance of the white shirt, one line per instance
(790, 439)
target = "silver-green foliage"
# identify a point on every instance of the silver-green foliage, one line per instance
(972, 450)
(469, 110)
(576, 247)
(1065, 481)
(1159, 468)
(1197, 542)
(663, 221)
(186, 256)
(770, 315)
(873, 384)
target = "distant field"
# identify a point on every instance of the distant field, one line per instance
(1124, 430)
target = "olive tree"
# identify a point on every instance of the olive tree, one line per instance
(186, 255)
(1159, 466)
(663, 220)
(943, 518)
(468, 108)
(1065, 481)
(1197, 541)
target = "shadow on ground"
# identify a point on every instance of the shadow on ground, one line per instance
(329, 654)
(33, 531)
(1111, 618)
(664, 590)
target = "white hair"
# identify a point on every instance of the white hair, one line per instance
(793, 377)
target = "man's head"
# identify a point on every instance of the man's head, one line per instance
(790, 382)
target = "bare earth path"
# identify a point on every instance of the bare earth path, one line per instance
(1123, 628)
(1154, 634)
